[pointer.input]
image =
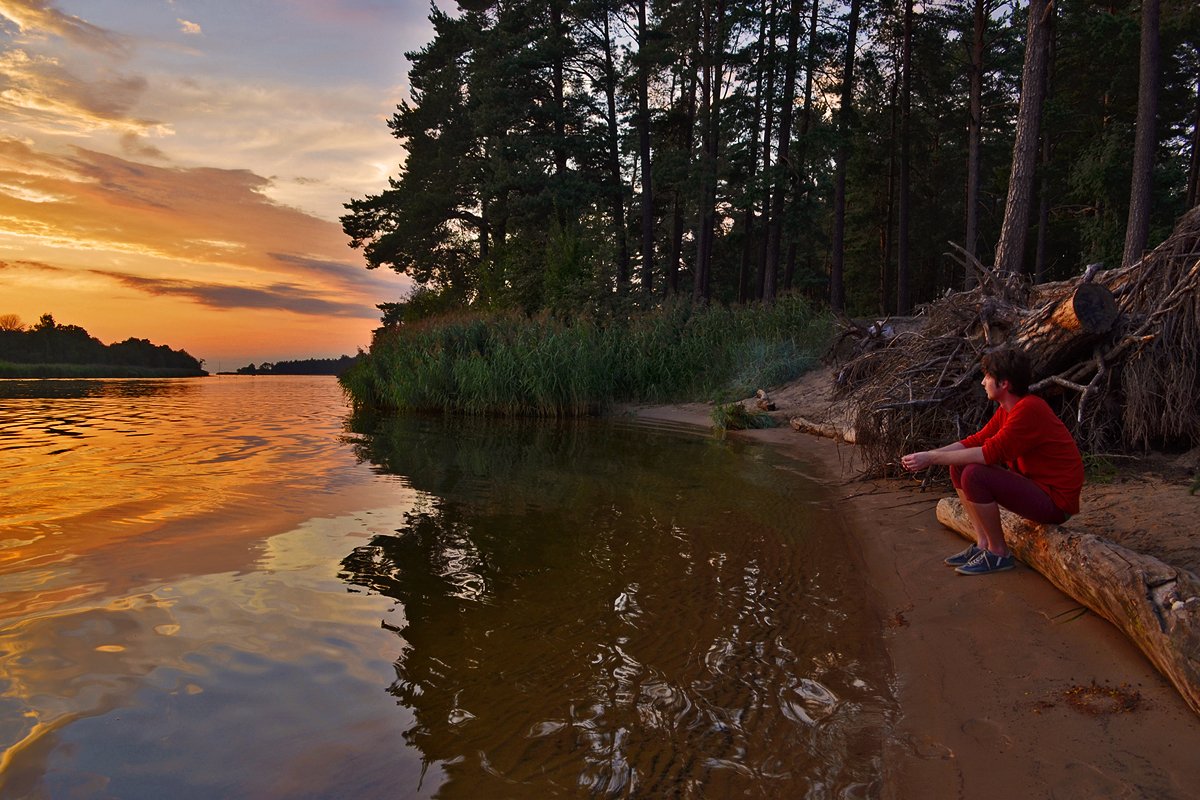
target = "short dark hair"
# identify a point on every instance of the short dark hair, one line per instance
(1010, 364)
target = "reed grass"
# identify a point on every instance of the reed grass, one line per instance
(506, 364)
(9, 369)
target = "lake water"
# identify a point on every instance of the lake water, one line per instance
(228, 587)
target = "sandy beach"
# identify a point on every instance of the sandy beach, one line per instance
(1007, 687)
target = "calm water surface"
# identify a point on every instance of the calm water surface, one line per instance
(227, 587)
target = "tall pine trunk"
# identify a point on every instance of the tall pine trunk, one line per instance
(889, 219)
(974, 135)
(801, 158)
(643, 91)
(616, 185)
(704, 213)
(837, 261)
(1010, 250)
(560, 111)
(713, 46)
(903, 278)
(767, 137)
(1137, 230)
(782, 165)
(750, 206)
(1047, 155)
(680, 201)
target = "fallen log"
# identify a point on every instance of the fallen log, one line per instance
(823, 429)
(1156, 605)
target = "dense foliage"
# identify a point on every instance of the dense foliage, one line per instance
(507, 364)
(44, 347)
(593, 154)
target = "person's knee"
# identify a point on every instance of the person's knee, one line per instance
(973, 480)
(956, 475)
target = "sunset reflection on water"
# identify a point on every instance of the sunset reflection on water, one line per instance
(229, 588)
(128, 479)
(142, 527)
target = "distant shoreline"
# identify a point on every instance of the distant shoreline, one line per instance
(9, 369)
(278, 374)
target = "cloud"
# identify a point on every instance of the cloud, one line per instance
(326, 144)
(278, 296)
(343, 272)
(134, 145)
(39, 91)
(223, 296)
(202, 215)
(39, 17)
(33, 265)
(318, 125)
(18, 190)
(212, 236)
(107, 200)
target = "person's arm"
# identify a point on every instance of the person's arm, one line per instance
(951, 454)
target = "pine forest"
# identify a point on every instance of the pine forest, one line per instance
(600, 156)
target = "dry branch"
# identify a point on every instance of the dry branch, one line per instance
(823, 429)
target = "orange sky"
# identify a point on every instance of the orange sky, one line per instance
(174, 170)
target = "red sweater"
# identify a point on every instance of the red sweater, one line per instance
(1033, 441)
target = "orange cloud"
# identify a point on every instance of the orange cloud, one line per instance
(171, 245)
(38, 17)
(224, 296)
(201, 215)
(38, 91)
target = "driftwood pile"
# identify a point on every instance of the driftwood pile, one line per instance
(1116, 352)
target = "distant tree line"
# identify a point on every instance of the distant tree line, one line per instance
(591, 154)
(309, 366)
(48, 342)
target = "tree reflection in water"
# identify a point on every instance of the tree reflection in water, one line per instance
(599, 609)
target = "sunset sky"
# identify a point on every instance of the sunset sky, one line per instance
(174, 169)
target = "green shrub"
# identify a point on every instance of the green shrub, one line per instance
(509, 364)
(736, 417)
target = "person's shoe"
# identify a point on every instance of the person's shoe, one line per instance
(984, 563)
(958, 559)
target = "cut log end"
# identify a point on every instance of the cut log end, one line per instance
(1091, 310)
(1068, 330)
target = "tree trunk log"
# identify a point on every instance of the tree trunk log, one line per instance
(1156, 605)
(824, 429)
(1059, 331)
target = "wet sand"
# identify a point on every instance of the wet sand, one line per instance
(1007, 687)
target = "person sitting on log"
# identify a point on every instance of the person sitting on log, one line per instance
(1023, 459)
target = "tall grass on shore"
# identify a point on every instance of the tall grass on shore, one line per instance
(9, 369)
(512, 365)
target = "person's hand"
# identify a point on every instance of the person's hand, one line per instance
(916, 461)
